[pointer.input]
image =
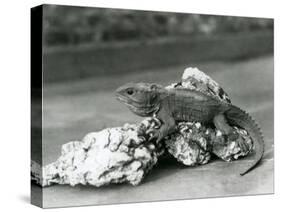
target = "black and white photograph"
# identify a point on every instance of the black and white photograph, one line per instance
(131, 106)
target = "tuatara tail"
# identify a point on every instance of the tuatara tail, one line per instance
(238, 117)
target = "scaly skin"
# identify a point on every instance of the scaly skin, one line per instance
(172, 105)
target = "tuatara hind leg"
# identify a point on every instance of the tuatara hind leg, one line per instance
(221, 124)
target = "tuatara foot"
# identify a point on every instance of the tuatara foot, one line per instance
(236, 137)
(227, 149)
(155, 135)
(233, 136)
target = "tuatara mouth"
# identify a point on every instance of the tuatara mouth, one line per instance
(143, 111)
(119, 97)
(123, 100)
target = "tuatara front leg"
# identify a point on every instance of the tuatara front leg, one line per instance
(221, 124)
(168, 124)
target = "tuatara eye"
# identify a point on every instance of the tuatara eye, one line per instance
(130, 91)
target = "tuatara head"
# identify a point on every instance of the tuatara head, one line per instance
(141, 98)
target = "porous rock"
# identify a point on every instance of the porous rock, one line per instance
(189, 144)
(36, 172)
(113, 155)
(195, 79)
(231, 150)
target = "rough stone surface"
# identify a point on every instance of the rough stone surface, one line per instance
(36, 173)
(190, 144)
(193, 144)
(231, 150)
(113, 155)
(195, 79)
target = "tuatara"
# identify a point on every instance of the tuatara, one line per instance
(182, 104)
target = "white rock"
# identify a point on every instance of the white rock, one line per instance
(113, 155)
(193, 78)
(189, 145)
(199, 75)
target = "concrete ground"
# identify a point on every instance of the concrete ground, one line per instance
(73, 109)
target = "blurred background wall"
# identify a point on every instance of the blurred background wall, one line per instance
(81, 42)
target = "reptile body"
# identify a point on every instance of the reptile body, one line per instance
(182, 104)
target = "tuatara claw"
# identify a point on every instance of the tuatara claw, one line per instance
(153, 137)
(233, 136)
(159, 138)
(153, 134)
